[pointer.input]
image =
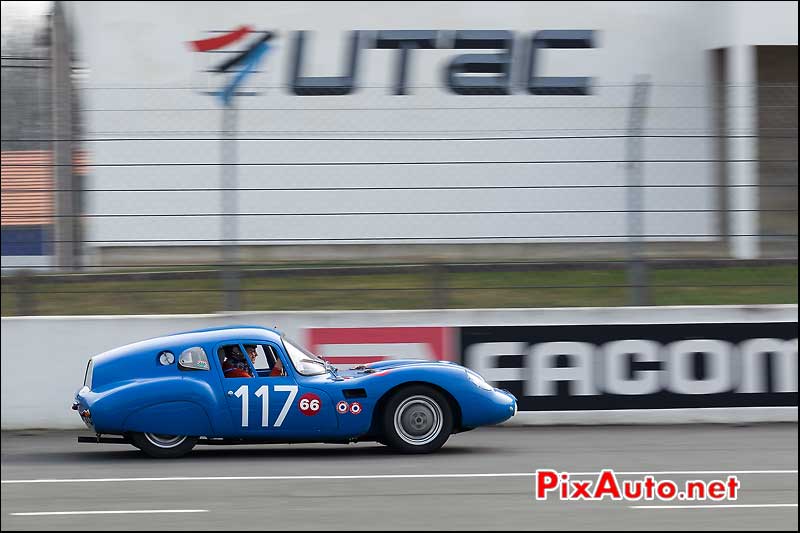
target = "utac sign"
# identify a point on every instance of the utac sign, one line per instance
(484, 73)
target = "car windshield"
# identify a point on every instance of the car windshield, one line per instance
(304, 361)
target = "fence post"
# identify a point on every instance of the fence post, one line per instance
(63, 172)
(26, 299)
(637, 267)
(438, 286)
(231, 281)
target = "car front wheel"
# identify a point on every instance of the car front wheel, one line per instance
(417, 419)
(163, 446)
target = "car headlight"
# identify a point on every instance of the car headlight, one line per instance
(478, 380)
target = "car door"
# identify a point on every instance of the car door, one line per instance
(266, 405)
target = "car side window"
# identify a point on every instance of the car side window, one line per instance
(193, 359)
(258, 355)
(265, 359)
(234, 362)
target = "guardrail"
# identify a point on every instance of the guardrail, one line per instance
(435, 284)
(568, 365)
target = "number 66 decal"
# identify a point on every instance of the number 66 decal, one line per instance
(263, 393)
(309, 404)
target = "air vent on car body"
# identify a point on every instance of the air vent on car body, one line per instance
(355, 393)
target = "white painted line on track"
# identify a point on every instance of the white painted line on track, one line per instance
(140, 511)
(385, 476)
(714, 506)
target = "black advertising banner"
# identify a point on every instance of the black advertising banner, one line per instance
(641, 366)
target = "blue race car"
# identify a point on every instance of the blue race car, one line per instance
(248, 385)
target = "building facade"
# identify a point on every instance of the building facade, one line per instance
(429, 139)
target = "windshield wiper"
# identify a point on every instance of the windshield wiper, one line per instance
(319, 362)
(333, 369)
(328, 366)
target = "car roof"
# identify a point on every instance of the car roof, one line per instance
(226, 329)
(222, 333)
(197, 336)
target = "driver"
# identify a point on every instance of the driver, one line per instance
(277, 369)
(252, 353)
(235, 365)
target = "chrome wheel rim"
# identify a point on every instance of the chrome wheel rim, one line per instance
(418, 420)
(164, 441)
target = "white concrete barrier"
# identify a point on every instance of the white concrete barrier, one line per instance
(44, 358)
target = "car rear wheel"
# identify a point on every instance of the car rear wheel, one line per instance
(163, 446)
(417, 419)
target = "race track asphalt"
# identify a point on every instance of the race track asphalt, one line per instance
(479, 480)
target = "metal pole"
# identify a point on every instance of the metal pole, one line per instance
(438, 286)
(637, 267)
(230, 248)
(742, 166)
(26, 296)
(61, 71)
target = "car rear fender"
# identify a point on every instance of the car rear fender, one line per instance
(171, 418)
(125, 406)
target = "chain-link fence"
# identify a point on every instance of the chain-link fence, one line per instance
(641, 193)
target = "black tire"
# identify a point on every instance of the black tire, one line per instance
(163, 446)
(417, 419)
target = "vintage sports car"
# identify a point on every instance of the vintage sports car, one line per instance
(248, 384)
